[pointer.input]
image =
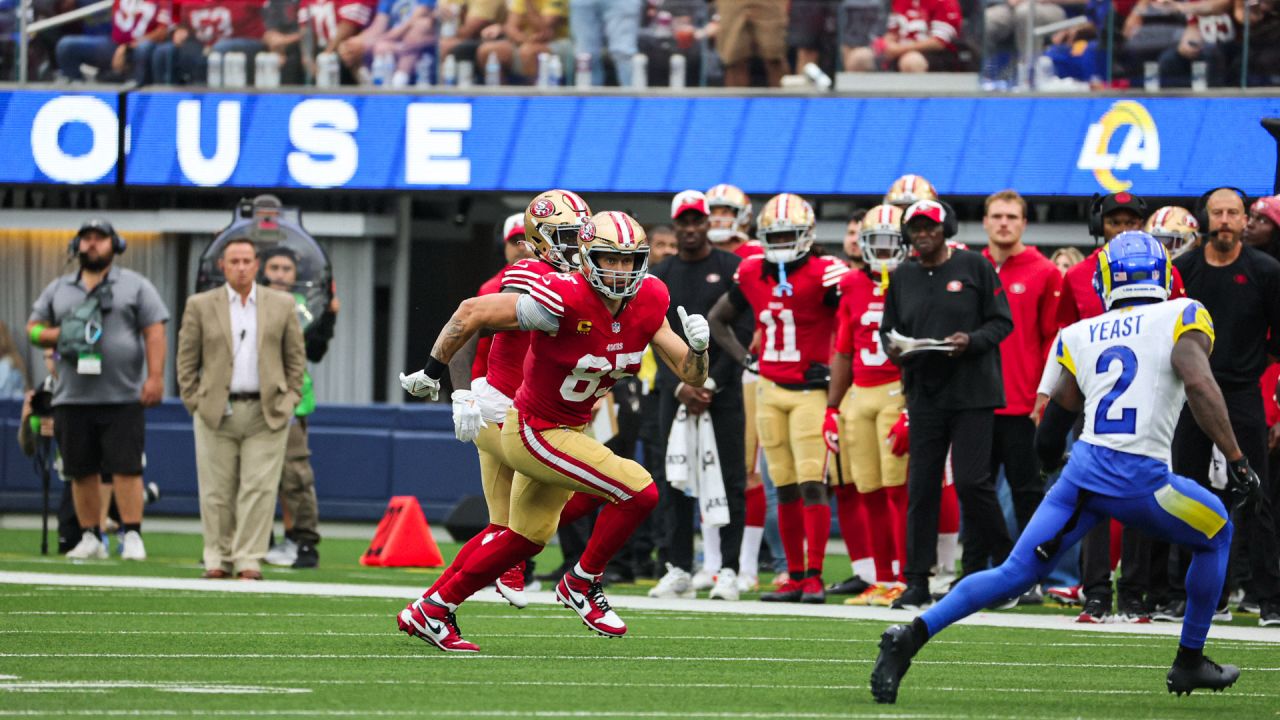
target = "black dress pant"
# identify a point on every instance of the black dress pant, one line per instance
(967, 434)
(1013, 446)
(675, 509)
(1095, 564)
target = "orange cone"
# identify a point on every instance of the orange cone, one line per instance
(403, 538)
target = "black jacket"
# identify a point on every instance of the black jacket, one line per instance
(697, 286)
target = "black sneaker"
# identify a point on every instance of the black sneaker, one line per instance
(1249, 604)
(853, 586)
(896, 650)
(1269, 615)
(1172, 611)
(1095, 611)
(308, 557)
(1133, 610)
(1206, 674)
(915, 598)
(791, 591)
(1032, 596)
(1223, 612)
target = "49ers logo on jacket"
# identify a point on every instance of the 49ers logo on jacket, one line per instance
(1017, 288)
(543, 208)
(955, 286)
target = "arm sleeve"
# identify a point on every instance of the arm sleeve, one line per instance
(997, 320)
(832, 274)
(1049, 377)
(151, 309)
(533, 315)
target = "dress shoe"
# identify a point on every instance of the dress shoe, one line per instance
(249, 575)
(216, 574)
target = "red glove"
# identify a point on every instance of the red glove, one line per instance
(831, 429)
(899, 437)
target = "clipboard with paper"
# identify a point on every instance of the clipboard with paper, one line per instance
(910, 345)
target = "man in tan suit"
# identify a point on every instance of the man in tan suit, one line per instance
(240, 363)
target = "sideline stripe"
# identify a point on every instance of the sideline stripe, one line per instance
(750, 610)
(496, 713)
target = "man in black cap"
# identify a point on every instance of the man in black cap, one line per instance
(108, 326)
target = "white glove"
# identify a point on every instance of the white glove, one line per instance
(419, 385)
(696, 330)
(467, 420)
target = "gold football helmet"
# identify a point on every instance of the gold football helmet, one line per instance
(551, 225)
(786, 227)
(726, 226)
(908, 189)
(613, 233)
(883, 248)
(1175, 228)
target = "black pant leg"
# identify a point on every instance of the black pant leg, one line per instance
(1095, 563)
(980, 512)
(1013, 445)
(729, 419)
(1135, 564)
(930, 440)
(1253, 543)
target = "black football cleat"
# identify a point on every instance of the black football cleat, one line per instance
(853, 586)
(897, 647)
(1205, 674)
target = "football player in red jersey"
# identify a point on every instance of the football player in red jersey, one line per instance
(480, 404)
(793, 296)
(592, 327)
(334, 21)
(731, 221)
(857, 421)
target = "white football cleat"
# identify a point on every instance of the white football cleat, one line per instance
(511, 586)
(584, 596)
(284, 555)
(133, 547)
(704, 579)
(89, 548)
(675, 584)
(726, 587)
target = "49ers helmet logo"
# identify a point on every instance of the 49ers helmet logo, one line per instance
(588, 232)
(542, 208)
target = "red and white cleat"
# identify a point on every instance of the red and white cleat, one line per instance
(511, 586)
(585, 596)
(1066, 594)
(434, 624)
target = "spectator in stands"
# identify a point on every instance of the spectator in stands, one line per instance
(922, 36)
(752, 29)
(330, 23)
(1081, 52)
(1263, 61)
(102, 388)
(1066, 258)
(810, 27)
(468, 24)
(615, 24)
(241, 395)
(1006, 20)
(13, 371)
(1211, 37)
(402, 28)
(137, 25)
(533, 27)
(208, 25)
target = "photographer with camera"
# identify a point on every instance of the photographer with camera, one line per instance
(107, 324)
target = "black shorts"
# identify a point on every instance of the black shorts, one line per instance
(810, 22)
(100, 438)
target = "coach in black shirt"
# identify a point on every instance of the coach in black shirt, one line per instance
(951, 396)
(696, 277)
(1240, 287)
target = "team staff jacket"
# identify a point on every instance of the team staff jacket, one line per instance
(697, 286)
(566, 373)
(1032, 284)
(962, 294)
(858, 335)
(796, 328)
(1243, 299)
(1080, 301)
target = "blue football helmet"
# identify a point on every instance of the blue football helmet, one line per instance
(1133, 266)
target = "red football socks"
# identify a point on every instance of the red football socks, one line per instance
(898, 501)
(756, 506)
(851, 509)
(614, 526)
(791, 528)
(460, 559)
(882, 516)
(817, 530)
(486, 564)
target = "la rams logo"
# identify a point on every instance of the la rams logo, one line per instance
(1139, 144)
(588, 232)
(542, 208)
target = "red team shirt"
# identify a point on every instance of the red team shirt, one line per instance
(1080, 302)
(480, 366)
(568, 372)
(1032, 284)
(324, 16)
(916, 20)
(211, 21)
(133, 19)
(749, 249)
(858, 334)
(797, 328)
(507, 353)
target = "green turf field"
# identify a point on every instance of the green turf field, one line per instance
(129, 652)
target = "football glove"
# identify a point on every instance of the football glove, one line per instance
(696, 330)
(751, 363)
(467, 420)
(419, 385)
(899, 437)
(831, 429)
(1242, 483)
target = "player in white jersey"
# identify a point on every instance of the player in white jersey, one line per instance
(1129, 370)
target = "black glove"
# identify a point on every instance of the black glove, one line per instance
(1242, 483)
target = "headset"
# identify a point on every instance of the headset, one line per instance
(118, 244)
(950, 223)
(1202, 205)
(1095, 212)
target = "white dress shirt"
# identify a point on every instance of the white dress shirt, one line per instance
(244, 341)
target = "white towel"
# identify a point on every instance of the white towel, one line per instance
(693, 466)
(1218, 470)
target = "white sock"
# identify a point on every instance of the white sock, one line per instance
(865, 568)
(749, 557)
(712, 558)
(435, 598)
(948, 552)
(577, 568)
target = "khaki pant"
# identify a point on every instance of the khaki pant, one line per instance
(495, 474)
(790, 427)
(238, 467)
(867, 415)
(298, 485)
(551, 465)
